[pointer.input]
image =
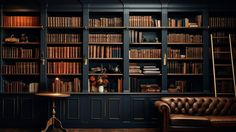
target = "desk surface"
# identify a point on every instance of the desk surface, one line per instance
(53, 95)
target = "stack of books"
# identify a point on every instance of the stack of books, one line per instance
(151, 70)
(135, 70)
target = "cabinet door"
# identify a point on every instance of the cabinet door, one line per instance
(106, 109)
(26, 111)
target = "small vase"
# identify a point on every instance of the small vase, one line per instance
(101, 89)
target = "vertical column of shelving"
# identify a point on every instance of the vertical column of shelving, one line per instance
(64, 51)
(185, 52)
(105, 52)
(221, 24)
(145, 50)
(20, 52)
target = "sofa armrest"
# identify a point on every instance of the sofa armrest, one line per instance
(162, 106)
(165, 114)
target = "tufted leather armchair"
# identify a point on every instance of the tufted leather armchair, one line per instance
(205, 112)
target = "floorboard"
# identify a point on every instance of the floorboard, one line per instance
(84, 130)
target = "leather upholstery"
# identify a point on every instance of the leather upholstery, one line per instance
(201, 105)
(197, 111)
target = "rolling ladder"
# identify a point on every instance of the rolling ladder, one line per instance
(226, 63)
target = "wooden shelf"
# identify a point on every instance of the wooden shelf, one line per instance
(182, 74)
(64, 74)
(108, 74)
(20, 43)
(106, 28)
(146, 43)
(51, 59)
(185, 59)
(173, 43)
(145, 59)
(141, 74)
(63, 43)
(106, 43)
(105, 58)
(22, 27)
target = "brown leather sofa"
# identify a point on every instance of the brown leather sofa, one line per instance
(206, 113)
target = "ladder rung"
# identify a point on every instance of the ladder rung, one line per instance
(221, 37)
(224, 79)
(222, 52)
(226, 65)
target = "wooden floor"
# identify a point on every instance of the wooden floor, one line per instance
(85, 130)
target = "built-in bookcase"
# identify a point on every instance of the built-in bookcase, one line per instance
(64, 51)
(145, 52)
(221, 24)
(185, 52)
(105, 52)
(20, 52)
(113, 49)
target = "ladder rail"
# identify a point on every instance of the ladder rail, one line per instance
(232, 64)
(213, 65)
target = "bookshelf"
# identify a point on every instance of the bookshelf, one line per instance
(136, 51)
(185, 52)
(145, 49)
(221, 24)
(105, 52)
(64, 51)
(20, 52)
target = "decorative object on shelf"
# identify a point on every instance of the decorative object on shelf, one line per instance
(23, 38)
(11, 39)
(99, 83)
(173, 89)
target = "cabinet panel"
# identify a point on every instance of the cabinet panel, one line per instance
(97, 108)
(138, 109)
(9, 108)
(26, 108)
(114, 109)
(73, 109)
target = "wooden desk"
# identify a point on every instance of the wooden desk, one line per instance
(53, 120)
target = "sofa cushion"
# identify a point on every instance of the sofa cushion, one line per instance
(221, 121)
(188, 120)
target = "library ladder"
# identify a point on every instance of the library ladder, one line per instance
(219, 67)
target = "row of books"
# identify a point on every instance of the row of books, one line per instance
(184, 67)
(62, 86)
(19, 52)
(21, 68)
(105, 38)
(150, 88)
(101, 51)
(106, 22)
(13, 21)
(63, 38)
(56, 21)
(222, 53)
(225, 86)
(222, 22)
(19, 86)
(145, 53)
(64, 67)
(184, 38)
(188, 52)
(142, 37)
(136, 85)
(222, 38)
(144, 21)
(64, 52)
(185, 22)
(181, 85)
